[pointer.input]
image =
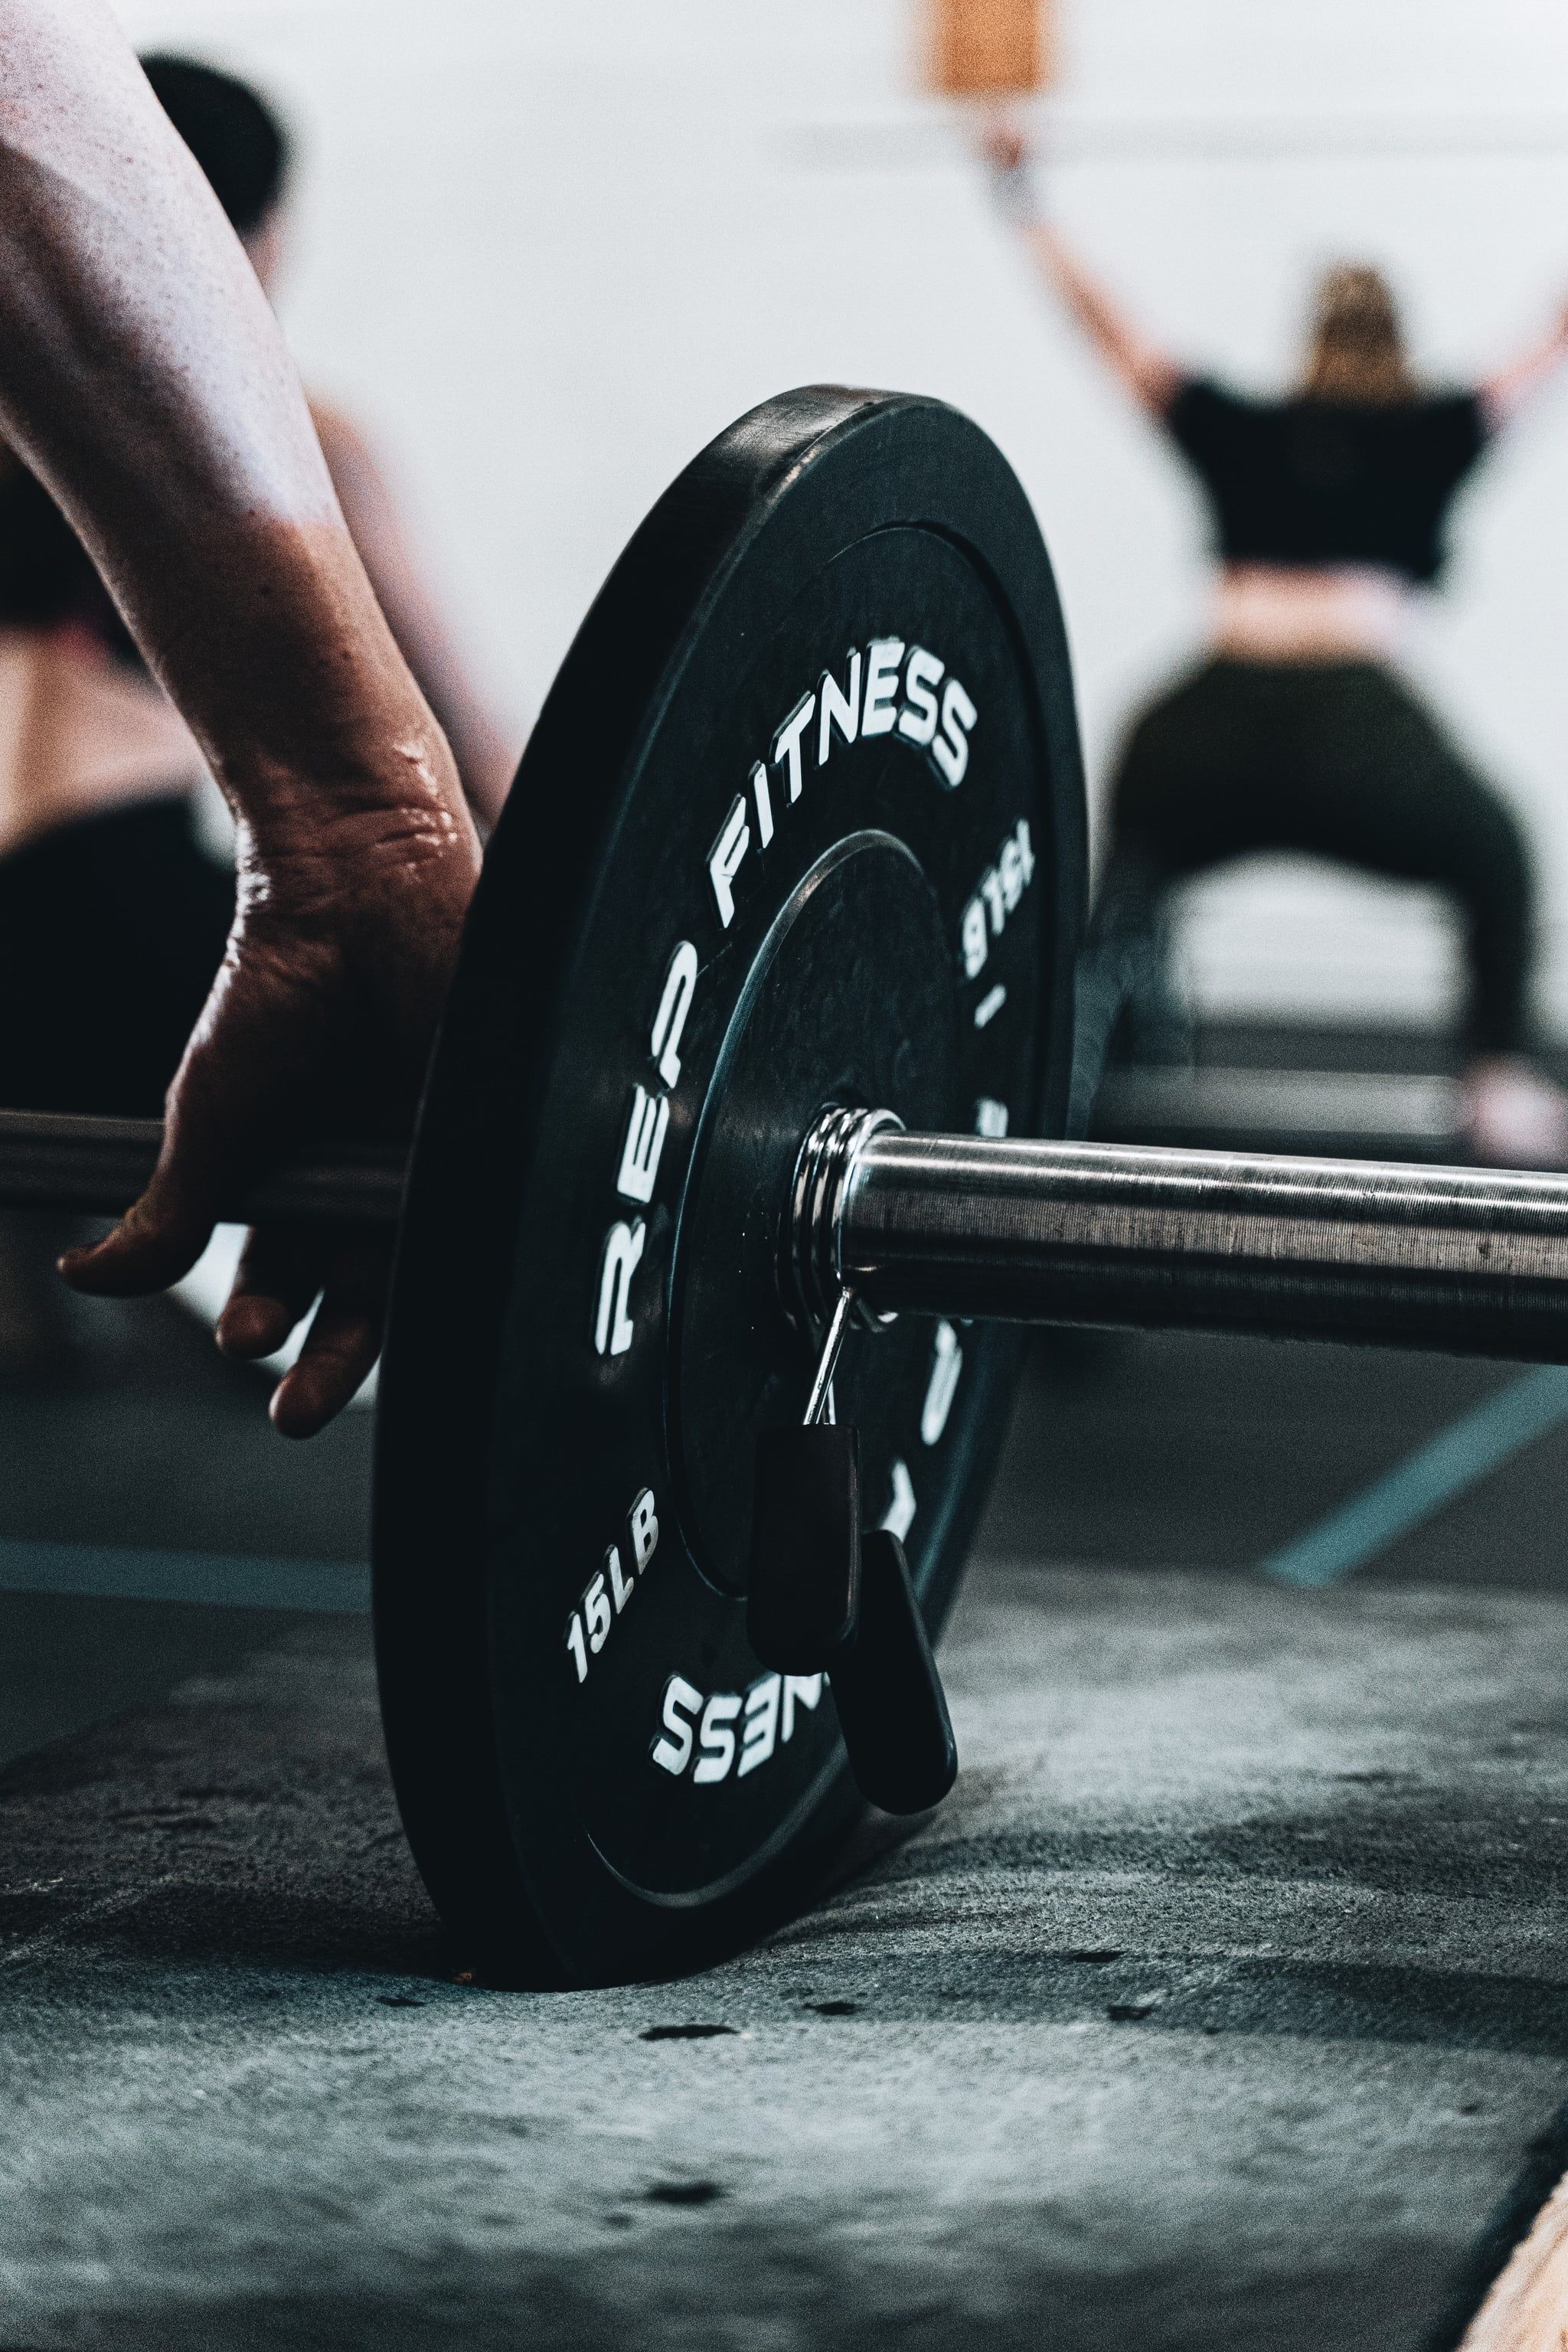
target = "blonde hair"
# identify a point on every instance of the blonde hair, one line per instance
(1356, 352)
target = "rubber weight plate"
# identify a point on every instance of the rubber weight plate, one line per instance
(801, 824)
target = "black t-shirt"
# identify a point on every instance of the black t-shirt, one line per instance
(1315, 481)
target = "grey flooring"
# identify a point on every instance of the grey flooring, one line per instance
(1223, 2004)
(1219, 2007)
(147, 1439)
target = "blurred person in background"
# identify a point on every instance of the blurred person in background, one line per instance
(113, 916)
(1294, 733)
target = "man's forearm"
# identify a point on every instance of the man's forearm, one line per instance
(144, 379)
(142, 376)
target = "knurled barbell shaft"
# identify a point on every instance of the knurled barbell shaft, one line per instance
(1469, 1261)
(99, 1166)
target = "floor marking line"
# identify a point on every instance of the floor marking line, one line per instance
(55, 1936)
(220, 1580)
(1447, 1465)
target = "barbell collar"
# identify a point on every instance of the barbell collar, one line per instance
(99, 1166)
(1467, 1261)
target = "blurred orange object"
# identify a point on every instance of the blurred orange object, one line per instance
(989, 48)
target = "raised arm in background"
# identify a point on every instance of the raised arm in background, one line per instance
(1506, 390)
(1149, 374)
(144, 379)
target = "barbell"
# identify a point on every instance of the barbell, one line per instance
(751, 1085)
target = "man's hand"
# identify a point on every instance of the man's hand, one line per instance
(319, 1024)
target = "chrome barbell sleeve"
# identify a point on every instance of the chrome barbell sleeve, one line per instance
(1473, 1262)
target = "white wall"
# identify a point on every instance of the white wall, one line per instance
(548, 250)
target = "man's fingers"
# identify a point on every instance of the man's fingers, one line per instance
(331, 1368)
(279, 1275)
(157, 1241)
(342, 1345)
(212, 1139)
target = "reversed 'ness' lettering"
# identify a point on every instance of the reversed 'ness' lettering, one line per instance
(730, 1730)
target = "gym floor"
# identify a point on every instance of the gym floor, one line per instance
(1222, 2005)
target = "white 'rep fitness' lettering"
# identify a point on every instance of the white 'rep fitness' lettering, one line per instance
(877, 714)
(715, 1740)
(760, 1732)
(645, 1130)
(613, 1330)
(840, 708)
(724, 859)
(786, 743)
(951, 753)
(886, 688)
(674, 1004)
(764, 798)
(917, 719)
(642, 1148)
(672, 1753)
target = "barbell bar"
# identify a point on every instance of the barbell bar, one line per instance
(66, 1159)
(1469, 1262)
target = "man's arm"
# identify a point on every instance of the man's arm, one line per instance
(485, 760)
(1149, 374)
(145, 381)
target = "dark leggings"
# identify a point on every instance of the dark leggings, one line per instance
(111, 931)
(1339, 760)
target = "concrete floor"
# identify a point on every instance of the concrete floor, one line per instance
(1223, 2004)
(147, 1439)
